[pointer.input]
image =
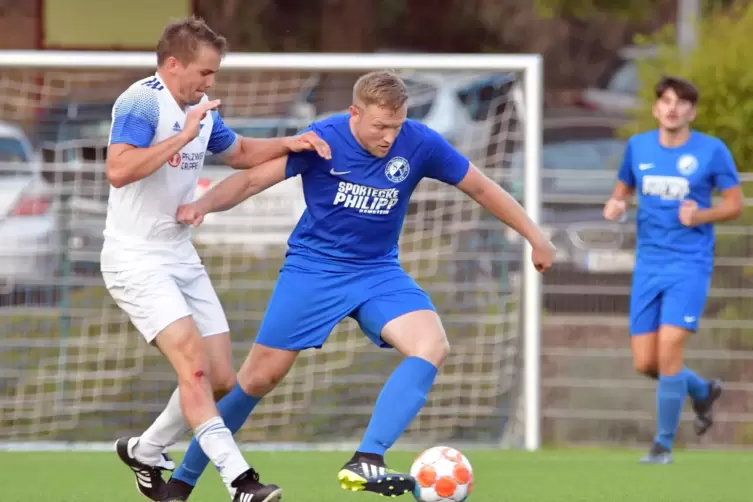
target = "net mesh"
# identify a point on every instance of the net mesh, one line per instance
(74, 369)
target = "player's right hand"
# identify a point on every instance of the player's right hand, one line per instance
(190, 214)
(614, 209)
(195, 115)
(543, 255)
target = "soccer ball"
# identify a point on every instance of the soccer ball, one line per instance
(442, 474)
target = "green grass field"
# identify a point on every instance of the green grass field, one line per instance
(500, 476)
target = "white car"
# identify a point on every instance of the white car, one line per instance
(29, 225)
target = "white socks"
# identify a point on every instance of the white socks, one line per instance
(218, 444)
(166, 430)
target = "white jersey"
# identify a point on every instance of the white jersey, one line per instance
(141, 227)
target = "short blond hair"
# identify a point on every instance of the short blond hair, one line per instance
(181, 40)
(382, 88)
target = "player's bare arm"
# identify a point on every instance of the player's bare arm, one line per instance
(252, 152)
(730, 208)
(233, 190)
(617, 204)
(506, 209)
(127, 163)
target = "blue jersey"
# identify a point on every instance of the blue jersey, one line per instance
(664, 177)
(356, 202)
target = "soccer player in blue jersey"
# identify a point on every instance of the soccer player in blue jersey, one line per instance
(674, 170)
(343, 262)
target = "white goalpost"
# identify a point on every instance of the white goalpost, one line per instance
(72, 370)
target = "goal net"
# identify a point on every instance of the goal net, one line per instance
(73, 369)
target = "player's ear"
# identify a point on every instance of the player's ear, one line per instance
(655, 110)
(354, 111)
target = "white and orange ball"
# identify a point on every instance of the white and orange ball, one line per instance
(442, 474)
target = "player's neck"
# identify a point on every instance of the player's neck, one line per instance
(171, 88)
(673, 139)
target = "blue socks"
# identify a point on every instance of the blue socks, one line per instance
(698, 388)
(401, 399)
(234, 410)
(670, 398)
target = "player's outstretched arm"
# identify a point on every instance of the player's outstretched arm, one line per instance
(233, 190)
(506, 209)
(128, 162)
(252, 152)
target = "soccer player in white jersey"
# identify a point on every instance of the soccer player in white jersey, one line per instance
(342, 262)
(162, 127)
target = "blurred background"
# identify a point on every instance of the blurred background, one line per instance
(73, 369)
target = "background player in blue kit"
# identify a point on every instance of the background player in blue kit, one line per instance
(674, 171)
(343, 262)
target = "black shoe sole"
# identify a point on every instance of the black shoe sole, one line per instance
(121, 448)
(275, 496)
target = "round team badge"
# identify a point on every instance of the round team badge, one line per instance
(174, 161)
(397, 169)
(687, 164)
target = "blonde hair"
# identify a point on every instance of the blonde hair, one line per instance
(181, 40)
(382, 88)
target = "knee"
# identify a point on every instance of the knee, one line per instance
(646, 367)
(434, 349)
(259, 382)
(222, 383)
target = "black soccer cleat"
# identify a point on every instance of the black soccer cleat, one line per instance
(178, 491)
(149, 479)
(249, 489)
(704, 409)
(370, 474)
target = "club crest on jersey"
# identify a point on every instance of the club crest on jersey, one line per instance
(397, 169)
(174, 161)
(687, 164)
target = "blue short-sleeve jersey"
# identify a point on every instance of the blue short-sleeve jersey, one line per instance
(662, 178)
(355, 202)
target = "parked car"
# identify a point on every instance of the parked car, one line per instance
(581, 155)
(617, 89)
(29, 226)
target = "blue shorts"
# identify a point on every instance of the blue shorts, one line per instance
(667, 299)
(306, 305)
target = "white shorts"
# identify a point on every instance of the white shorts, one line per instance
(156, 298)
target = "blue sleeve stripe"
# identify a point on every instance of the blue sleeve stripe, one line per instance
(222, 137)
(132, 130)
(135, 117)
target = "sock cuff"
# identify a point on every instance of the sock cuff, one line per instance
(672, 378)
(214, 423)
(421, 362)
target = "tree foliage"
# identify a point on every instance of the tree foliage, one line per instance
(720, 68)
(633, 10)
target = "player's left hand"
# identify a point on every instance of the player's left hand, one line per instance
(309, 140)
(543, 255)
(688, 212)
(190, 214)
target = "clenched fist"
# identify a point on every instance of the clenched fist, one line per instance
(688, 213)
(614, 209)
(190, 214)
(543, 255)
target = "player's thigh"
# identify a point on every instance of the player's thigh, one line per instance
(201, 298)
(151, 299)
(684, 300)
(209, 316)
(304, 308)
(399, 314)
(645, 352)
(682, 307)
(645, 303)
